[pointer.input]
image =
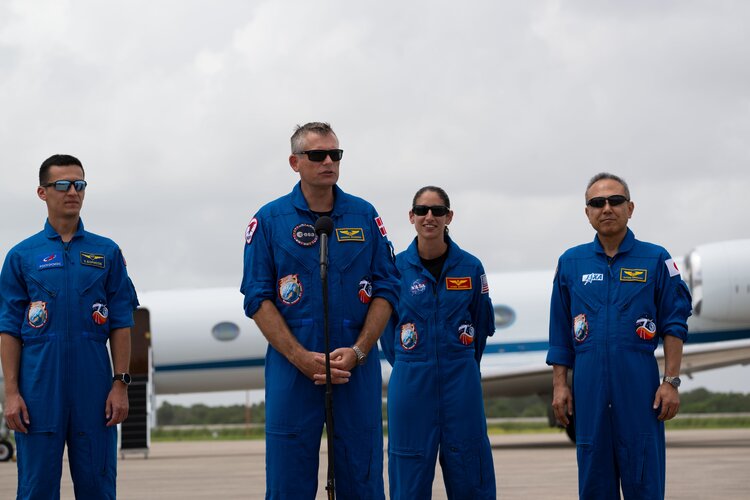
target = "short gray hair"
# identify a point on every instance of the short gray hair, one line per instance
(298, 137)
(604, 176)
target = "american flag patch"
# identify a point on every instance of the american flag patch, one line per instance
(485, 285)
(381, 226)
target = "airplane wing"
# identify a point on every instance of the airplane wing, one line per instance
(537, 378)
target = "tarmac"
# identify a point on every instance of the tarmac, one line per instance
(701, 464)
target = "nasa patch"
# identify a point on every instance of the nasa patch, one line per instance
(409, 336)
(466, 333)
(250, 231)
(365, 290)
(37, 314)
(304, 234)
(290, 289)
(580, 328)
(645, 328)
(49, 260)
(418, 286)
(99, 313)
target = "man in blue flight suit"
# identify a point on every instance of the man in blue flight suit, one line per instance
(283, 294)
(64, 293)
(612, 300)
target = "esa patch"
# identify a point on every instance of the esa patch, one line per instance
(290, 289)
(304, 234)
(580, 328)
(92, 260)
(466, 333)
(365, 290)
(645, 328)
(409, 337)
(418, 286)
(49, 260)
(485, 284)
(672, 267)
(99, 312)
(350, 234)
(458, 283)
(638, 275)
(37, 314)
(590, 278)
(381, 226)
(250, 231)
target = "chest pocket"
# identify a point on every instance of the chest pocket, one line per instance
(40, 312)
(92, 302)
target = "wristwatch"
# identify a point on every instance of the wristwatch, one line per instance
(123, 377)
(673, 381)
(361, 357)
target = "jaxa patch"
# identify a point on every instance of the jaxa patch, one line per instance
(580, 328)
(672, 267)
(350, 234)
(590, 278)
(365, 290)
(304, 234)
(458, 283)
(37, 314)
(409, 337)
(638, 275)
(418, 286)
(381, 226)
(290, 289)
(250, 231)
(99, 313)
(645, 328)
(49, 260)
(92, 259)
(466, 333)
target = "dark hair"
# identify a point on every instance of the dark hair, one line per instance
(298, 137)
(56, 161)
(604, 176)
(440, 192)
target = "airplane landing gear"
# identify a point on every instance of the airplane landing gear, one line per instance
(6, 450)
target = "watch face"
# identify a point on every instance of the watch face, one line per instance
(126, 378)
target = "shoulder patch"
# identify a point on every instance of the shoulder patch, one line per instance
(350, 234)
(458, 283)
(250, 231)
(381, 226)
(92, 259)
(672, 267)
(485, 284)
(639, 275)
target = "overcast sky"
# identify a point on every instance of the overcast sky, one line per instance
(181, 112)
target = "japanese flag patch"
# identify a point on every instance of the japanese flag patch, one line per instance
(672, 267)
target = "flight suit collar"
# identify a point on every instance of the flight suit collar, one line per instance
(412, 255)
(625, 245)
(50, 232)
(300, 203)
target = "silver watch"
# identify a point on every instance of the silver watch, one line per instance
(361, 357)
(673, 381)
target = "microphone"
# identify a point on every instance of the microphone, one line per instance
(324, 228)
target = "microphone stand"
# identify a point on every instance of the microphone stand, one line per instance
(330, 482)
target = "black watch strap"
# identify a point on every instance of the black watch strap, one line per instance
(122, 377)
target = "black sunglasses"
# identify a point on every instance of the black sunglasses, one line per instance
(65, 185)
(613, 201)
(437, 210)
(320, 154)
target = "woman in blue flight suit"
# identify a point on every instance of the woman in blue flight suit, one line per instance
(435, 342)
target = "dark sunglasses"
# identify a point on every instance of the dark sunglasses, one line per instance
(613, 201)
(65, 185)
(437, 210)
(320, 154)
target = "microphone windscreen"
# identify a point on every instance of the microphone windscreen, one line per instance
(324, 224)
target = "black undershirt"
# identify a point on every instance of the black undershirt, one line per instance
(435, 266)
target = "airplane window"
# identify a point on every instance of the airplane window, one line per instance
(504, 316)
(225, 331)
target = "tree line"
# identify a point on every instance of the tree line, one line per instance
(695, 401)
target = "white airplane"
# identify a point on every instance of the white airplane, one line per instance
(202, 341)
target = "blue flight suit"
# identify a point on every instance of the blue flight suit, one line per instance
(435, 342)
(282, 265)
(62, 300)
(606, 318)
